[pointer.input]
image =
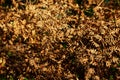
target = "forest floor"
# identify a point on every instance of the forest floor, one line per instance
(56, 40)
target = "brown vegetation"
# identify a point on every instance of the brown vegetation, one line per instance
(60, 40)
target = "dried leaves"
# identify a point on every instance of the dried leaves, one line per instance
(57, 38)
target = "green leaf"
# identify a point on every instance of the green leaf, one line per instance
(111, 77)
(79, 2)
(119, 65)
(9, 54)
(89, 12)
(113, 69)
(25, 78)
(106, 1)
(64, 44)
(33, 79)
(11, 78)
(47, 33)
(3, 79)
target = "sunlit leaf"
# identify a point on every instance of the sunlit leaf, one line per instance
(11, 78)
